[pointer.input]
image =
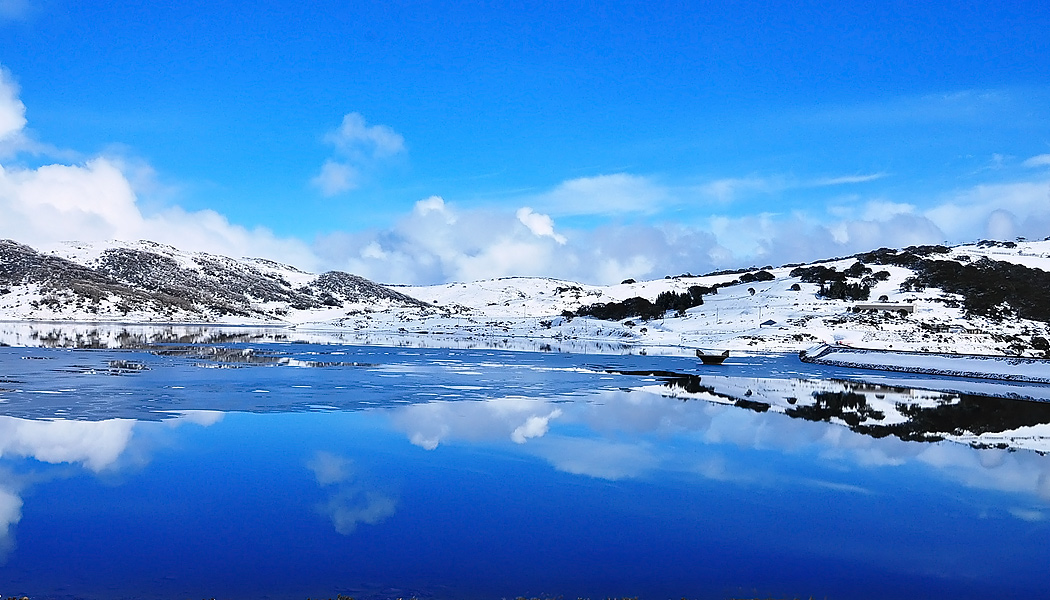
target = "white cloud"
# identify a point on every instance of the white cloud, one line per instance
(102, 198)
(354, 137)
(335, 178)
(429, 205)
(616, 194)
(1042, 160)
(539, 224)
(97, 200)
(358, 147)
(1000, 211)
(438, 242)
(847, 179)
(204, 418)
(12, 111)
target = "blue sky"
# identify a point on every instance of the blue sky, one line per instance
(428, 142)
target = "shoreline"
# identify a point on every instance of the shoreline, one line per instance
(976, 366)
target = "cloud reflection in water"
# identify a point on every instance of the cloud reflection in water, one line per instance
(617, 434)
(350, 501)
(97, 446)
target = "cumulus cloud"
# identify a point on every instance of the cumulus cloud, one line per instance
(12, 111)
(355, 137)
(534, 427)
(98, 446)
(357, 145)
(95, 201)
(539, 224)
(1002, 211)
(98, 200)
(440, 242)
(335, 177)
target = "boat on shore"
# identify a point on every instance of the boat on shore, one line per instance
(712, 359)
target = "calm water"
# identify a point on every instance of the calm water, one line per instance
(295, 470)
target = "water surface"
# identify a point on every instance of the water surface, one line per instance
(288, 470)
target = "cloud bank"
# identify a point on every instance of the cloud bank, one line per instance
(97, 201)
(596, 229)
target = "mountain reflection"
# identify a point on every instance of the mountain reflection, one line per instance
(141, 337)
(640, 432)
(879, 410)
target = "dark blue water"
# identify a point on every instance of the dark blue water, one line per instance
(295, 471)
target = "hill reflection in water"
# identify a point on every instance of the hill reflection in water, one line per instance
(309, 470)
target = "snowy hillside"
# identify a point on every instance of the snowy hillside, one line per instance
(149, 282)
(977, 298)
(783, 313)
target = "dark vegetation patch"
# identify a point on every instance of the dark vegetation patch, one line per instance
(837, 285)
(964, 414)
(642, 308)
(851, 407)
(988, 287)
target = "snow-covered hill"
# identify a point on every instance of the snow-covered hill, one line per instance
(149, 282)
(784, 308)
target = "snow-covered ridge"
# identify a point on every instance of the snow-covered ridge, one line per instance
(759, 309)
(149, 282)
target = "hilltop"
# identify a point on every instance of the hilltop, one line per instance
(983, 298)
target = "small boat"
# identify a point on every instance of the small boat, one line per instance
(712, 359)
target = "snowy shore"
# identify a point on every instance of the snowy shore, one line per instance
(1032, 370)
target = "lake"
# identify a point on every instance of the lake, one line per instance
(273, 469)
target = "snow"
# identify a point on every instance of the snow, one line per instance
(989, 367)
(527, 311)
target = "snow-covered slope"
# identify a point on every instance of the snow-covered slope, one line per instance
(784, 313)
(772, 309)
(149, 282)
